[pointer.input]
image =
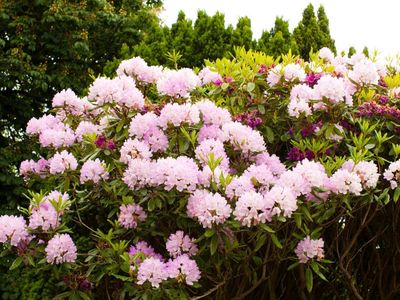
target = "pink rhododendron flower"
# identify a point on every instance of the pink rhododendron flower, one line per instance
(293, 72)
(85, 128)
(252, 209)
(130, 215)
(62, 162)
(179, 243)
(308, 249)
(177, 83)
(208, 208)
(212, 114)
(206, 76)
(152, 270)
(182, 268)
(178, 114)
(243, 138)
(136, 67)
(13, 230)
(133, 149)
(93, 170)
(392, 174)
(60, 249)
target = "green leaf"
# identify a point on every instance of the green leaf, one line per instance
(213, 245)
(16, 263)
(396, 194)
(260, 242)
(209, 232)
(250, 87)
(261, 109)
(316, 270)
(269, 134)
(309, 280)
(267, 228)
(275, 240)
(84, 296)
(293, 265)
(63, 295)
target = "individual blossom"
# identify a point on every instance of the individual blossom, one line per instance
(62, 162)
(36, 126)
(139, 174)
(70, 102)
(274, 75)
(243, 138)
(208, 208)
(209, 132)
(252, 209)
(13, 230)
(180, 173)
(136, 67)
(330, 88)
(130, 215)
(152, 270)
(299, 98)
(133, 149)
(177, 114)
(120, 90)
(183, 269)
(294, 72)
(215, 148)
(93, 170)
(364, 72)
(179, 243)
(206, 76)
(366, 170)
(39, 167)
(326, 54)
(284, 200)
(211, 114)
(177, 83)
(44, 216)
(60, 136)
(343, 182)
(142, 250)
(309, 249)
(60, 249)
(392, 174)
(85, 128)
(272, 162)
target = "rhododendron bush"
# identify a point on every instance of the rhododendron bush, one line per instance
(253, 177)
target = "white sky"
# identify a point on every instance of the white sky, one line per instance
(357, 23)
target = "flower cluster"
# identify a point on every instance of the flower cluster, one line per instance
(308, 249)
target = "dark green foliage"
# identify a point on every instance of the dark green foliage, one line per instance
(352, 50)
(366, 51)
(242, 35)
(181, 39)
(312, 33)
(47, 46)
(279, 40)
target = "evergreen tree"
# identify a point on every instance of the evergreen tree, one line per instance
(181, 39)
(263, 42)
(209, 38)
(280, 39)
(243, 35)
(323, 23)
(312, 33)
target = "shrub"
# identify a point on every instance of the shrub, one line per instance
(269, 190)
